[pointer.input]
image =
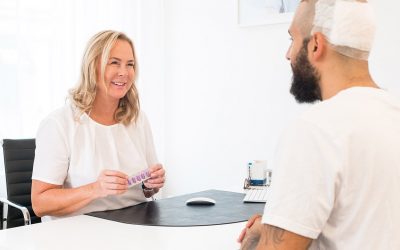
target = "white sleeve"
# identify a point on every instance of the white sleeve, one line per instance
(304, 181)
(151, 156)
(51, 154)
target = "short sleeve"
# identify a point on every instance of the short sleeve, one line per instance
(51, 154)
(304, 181)
(151, 156)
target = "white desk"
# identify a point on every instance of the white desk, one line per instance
(86, 232)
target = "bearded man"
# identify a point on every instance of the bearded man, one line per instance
(337, 168)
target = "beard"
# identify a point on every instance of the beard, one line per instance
(305, 82)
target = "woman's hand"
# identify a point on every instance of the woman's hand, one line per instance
(157, 178)
(110, 182)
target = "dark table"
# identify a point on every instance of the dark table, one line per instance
(174, 212)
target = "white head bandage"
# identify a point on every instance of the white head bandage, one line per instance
(349, 25)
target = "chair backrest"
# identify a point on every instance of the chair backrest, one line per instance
(18, 164)
(1, 212)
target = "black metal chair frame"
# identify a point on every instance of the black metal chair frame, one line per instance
(17, 145)
(24, 211)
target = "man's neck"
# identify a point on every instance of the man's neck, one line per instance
(341, 76)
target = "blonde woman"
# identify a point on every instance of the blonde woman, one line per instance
(86, 150)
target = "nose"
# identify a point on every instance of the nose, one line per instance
(122, 71)
(288, 52)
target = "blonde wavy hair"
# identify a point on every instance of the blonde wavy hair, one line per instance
(83, 95)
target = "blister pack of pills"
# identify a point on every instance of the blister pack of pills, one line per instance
(138, 177)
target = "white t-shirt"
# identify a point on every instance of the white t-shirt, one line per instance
(72, 151)
(337, 173)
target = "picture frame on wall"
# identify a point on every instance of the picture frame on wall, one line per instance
(265, 12)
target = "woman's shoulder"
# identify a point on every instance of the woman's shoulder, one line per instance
(140, 122)
(61, 112)
(62, 115)
(142, 117)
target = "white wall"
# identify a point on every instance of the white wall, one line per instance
(384, 60)
(227, 96)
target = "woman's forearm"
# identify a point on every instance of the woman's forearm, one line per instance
(58, 201)
(50, 199)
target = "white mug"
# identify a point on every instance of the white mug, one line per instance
(258, 173)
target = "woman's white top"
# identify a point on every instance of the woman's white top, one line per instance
(72, 150)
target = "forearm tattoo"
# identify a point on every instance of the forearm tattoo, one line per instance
(274, 235)
(271, 235)
(250, 243)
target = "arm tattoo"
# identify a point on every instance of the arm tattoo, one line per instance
(273, 235)
(250, 243)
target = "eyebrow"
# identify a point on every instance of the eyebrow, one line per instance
(289, 32)
(118, 59)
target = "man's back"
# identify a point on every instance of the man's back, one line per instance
(340, 164)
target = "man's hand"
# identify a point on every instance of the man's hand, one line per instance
(259, 236)
(250, 235)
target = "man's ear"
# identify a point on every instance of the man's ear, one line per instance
(317, 46)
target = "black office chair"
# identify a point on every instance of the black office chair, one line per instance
(18, 164)
(1, 213)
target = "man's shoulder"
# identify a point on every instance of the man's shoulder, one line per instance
(331, 114)
(323, 110)
(351, 108)
(346, 101)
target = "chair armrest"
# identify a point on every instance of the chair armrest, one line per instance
(24, 210)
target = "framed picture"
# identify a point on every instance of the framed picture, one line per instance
(261, 12)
